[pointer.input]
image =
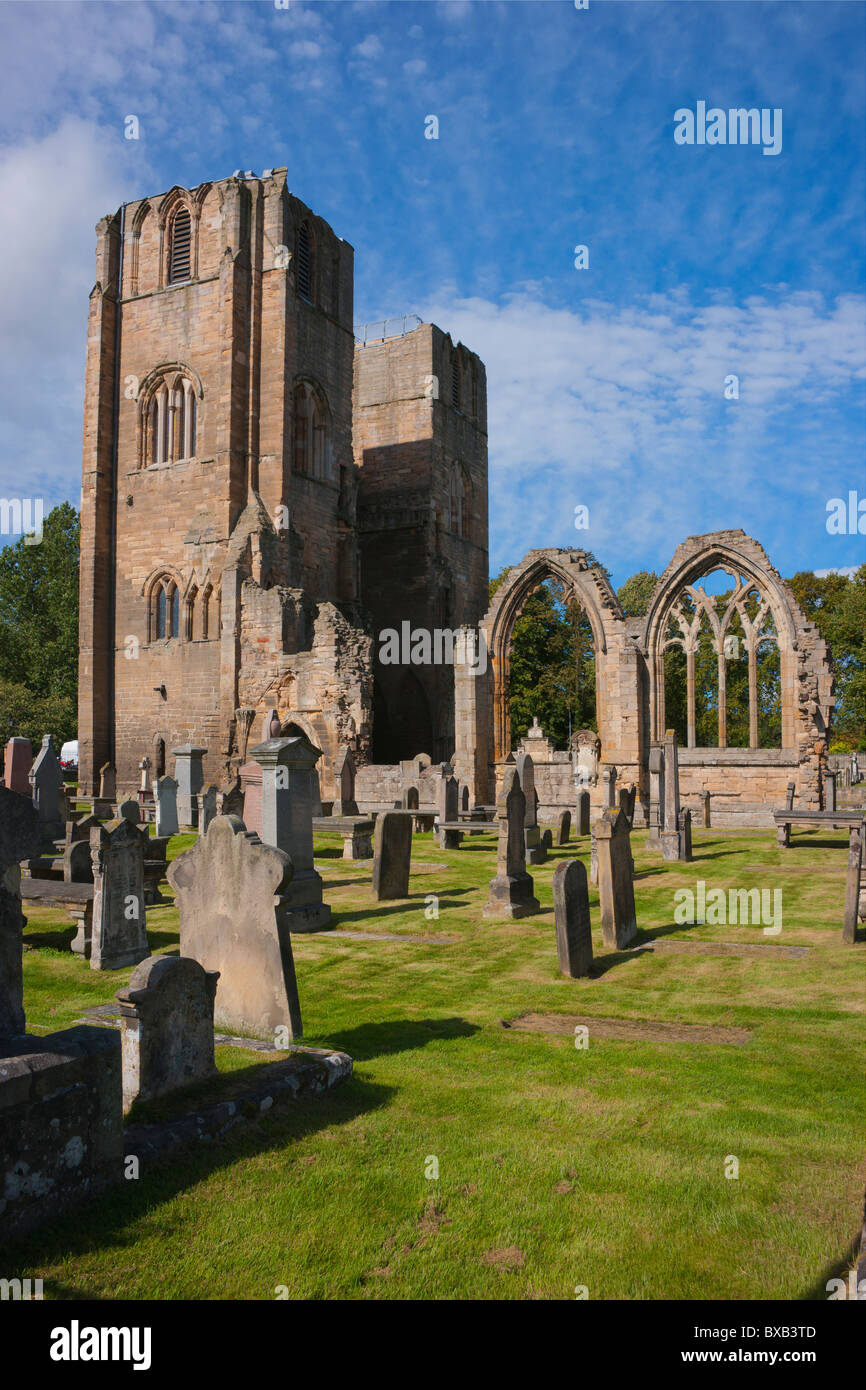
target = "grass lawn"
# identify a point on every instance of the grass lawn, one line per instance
(558, 1167)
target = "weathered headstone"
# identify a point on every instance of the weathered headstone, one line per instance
(129, 810)
(144, 769)
(20, 838)
(856, 836)
(119, 934)
(207, 807)
(108, 782)
(287, 823)
(511, 891)
(671, 834)
(583, 811)
(563, 828)
(392, 856)
(615, 885)
(546, 841)
(166, 806)
(447, 808)
(586, 751)
(571, 913)
(189, 773)
(235, 918)
(46, 781)
(230, 799)
(166, 1015)
(535, 851)
(17, 762)
(705, 808)
(608, 787)
(685, 834)
(344, 775)
(627, 797)
(77, 863)
(251, 782)
(79, 829)
(789, 796)
(656, 795)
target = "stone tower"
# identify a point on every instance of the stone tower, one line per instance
(420, 438)
(219, 570)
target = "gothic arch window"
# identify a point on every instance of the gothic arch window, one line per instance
(455, 381)
(180, 247)
(163, 609)
(305, 280)
(312, 421)
(169, 418)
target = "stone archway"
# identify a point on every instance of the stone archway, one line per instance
(615, 655)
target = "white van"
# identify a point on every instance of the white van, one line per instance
(69, 759)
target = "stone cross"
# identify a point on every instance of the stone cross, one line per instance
(166, 806)
(392, 855)
(344, 775)
(46, 781)
(571, 914)
(20, 838)
(17, 762)
(119, 935)
(511, 891)
(189, 773)
(235, 918)
(856, 835)
(166, 1016)
(615, 885)
(287, 767)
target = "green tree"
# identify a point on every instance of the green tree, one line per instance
(39, 631)
(836, 603)
(634, 595)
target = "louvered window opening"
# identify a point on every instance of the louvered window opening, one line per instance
(305, 274)
(181, 241)
(455, 386)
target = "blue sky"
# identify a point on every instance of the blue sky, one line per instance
(606, 385)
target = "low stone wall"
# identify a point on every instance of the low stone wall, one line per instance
(378, 784)
(744, 787)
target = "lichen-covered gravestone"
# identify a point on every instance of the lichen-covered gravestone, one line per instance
(571, 913)
(582, 799)
(615, 884)
(119, 933)
(166, 1017)
(235, 919)
(46, 780)
(563, 830)
(287, 767)
(511, 891)
(392, 856)
(447, 809)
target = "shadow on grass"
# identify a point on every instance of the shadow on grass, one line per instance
(400, 1035)
(455, 897)
(602, 964)
(60, 939)
(817, 1292)
(103, 1223)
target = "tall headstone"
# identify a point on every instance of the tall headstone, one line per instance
(582, 798)
(20, 838)
(46, 781)
(189, 773)
(130, 810)
(571, 914)
(608, 787)
(207, 807)
(108, 782)
(166, 806)
(119, 934)
(685, 829)
(251, 782)
(615, 885)
(235, 918)
(392, 856)
(344, 775)
(511, 891)
(671, 834)
(144, 769)
(287, 823)
(656, 795)
(856, 836)
(563, 829)
(829, 790)
(166, 1019)
(627, 797)
(705, 808)
(447, 809)
(535, 851)
(17, 762)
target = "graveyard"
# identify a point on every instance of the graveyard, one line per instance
(507, 1131)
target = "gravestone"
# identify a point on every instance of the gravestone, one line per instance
(410, 799)
(571, 913)
(207, 807)
(685, 834)
(235, 919)
(705, 808)
(547, 841)
(583, 811)
(563, 829)
(525, 768)
(119, 934)
(251, 781)
(108, 782)
(166, 807)
(671, 834)
(79, 829)
(61, 1135)
(586, 752)
(17, 762)
(392, 856)
(511, 891)
(287, 767)
(856, 835)
(829, 790)
(656, 795)
(615, 885)
(77, 864)
(447, 809)
(189, 775)
(344, 776)
(129, 810)
(230, 800)
(20, 838)
(144, 781)
(608, 787)
(593, 857)
(627, 796)
(789, 796)
(46, 781)
(166, 1015)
